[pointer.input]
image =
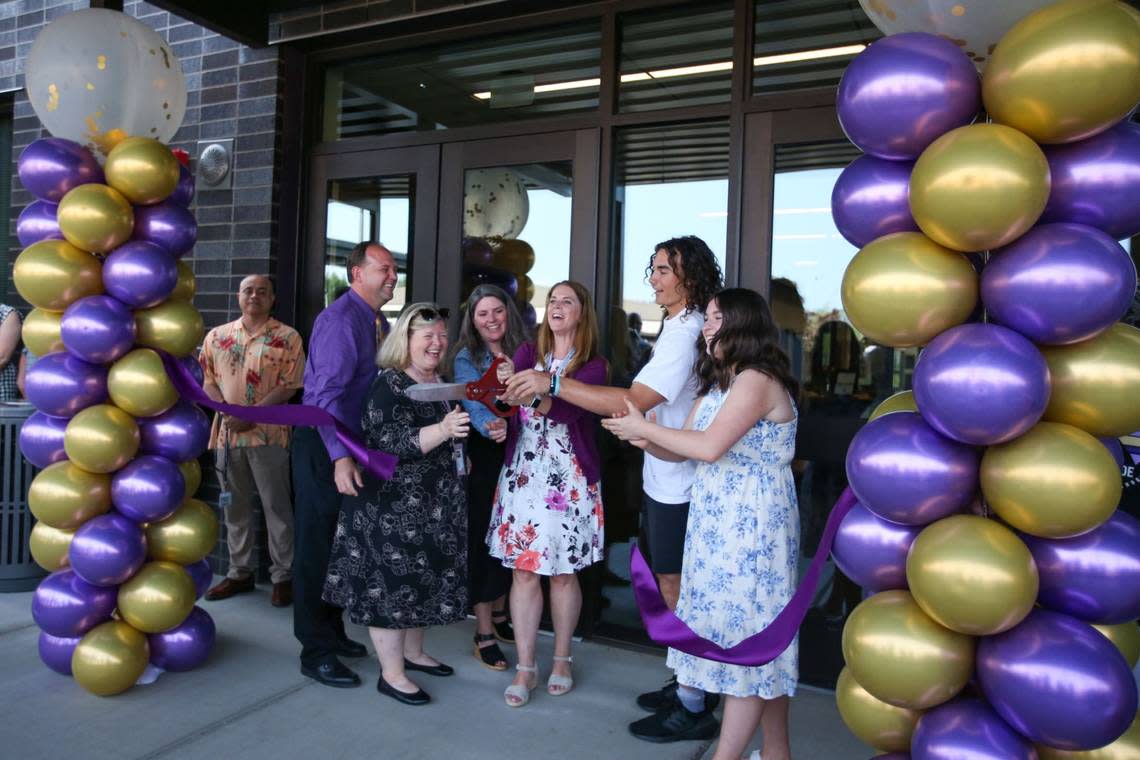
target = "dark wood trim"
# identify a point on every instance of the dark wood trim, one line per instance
(290, 188)
(753, 269)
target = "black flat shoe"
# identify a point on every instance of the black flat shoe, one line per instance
(431, 670)
(418, 697)
(333, 674)
(350, 648)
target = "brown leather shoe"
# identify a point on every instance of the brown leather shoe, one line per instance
(282, 595)
(228, 587)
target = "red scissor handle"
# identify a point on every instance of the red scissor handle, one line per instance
(487, 390)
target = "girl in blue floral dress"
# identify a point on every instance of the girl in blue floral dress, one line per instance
(742, 539)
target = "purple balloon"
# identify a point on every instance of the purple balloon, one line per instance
(872, 551)
(1058, 681)
(60, 384)
(869, 200)
(901, 469)
(1115, 447)
(66, 605)
(38, 222)
(56, 651)
(491, 276)
(107, 550)
(166, 224)
(202, 575)
(529, 315)
(967, 728)
(51, 166)
(477, 252)
(184, 192)
(140, 274)
(97, 329)
(981, 384)
(194, 368)
(893, 756)
(187, 645)
(1094, 576)
(148, 489)
(41, 439)
(180, 433)
(1059, 284)
(904, 92)
(1097, 181)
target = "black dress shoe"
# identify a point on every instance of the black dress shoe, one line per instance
(332, 674)
(418, 697)
(350, 648)
(431, 670)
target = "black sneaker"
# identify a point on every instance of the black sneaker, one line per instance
(675, 725)
(662, 699)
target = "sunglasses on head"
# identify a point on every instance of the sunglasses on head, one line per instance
(430, 315)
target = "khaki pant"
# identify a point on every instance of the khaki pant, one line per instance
(267, 469)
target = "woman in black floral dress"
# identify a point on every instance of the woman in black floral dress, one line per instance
(399, 558)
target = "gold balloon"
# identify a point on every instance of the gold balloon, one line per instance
(65, 496)
(95, 218)
(186, 536)
(186, 287)
(110, 658)
(1127, 747)
(49, 546)
(901, 656)
(1055, 481)
(1095, 382)
(142, 169)
(515, 256)
(173, 326)
(903, 401)
(1066, 72)
(904, 289)
(192, 474)
(1125, 637)
(40, 332)
(139, 385)
(876, 723)
(979, 187)
(101, 438)
(51, 274)
(526, 288)
(158, 597)
(972, 575)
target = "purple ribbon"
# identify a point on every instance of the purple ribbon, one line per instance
(666, 628)
(379, 463)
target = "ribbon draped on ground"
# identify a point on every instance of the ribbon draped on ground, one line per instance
(664, 627)
(379, 463)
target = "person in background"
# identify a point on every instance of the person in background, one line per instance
(254, 361)
(27, 359)
(338, 373)
(684, 275)
(742, 538)
(642, 349)
(492, 326)
(399, 558)
(547, 518)
(9, 353)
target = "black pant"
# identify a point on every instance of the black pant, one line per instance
(317, 624)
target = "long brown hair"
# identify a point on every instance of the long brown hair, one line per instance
(747, 339)
(514, 335)
(585, 337)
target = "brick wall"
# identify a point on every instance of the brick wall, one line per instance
(233, 93)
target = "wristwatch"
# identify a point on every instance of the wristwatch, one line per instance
(536, 402)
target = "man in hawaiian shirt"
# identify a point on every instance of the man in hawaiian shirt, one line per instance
(254, 361)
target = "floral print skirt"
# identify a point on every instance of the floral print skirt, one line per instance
(546, 518)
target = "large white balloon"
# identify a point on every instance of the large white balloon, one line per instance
(495, 204)
(96, 76)
(973, 25)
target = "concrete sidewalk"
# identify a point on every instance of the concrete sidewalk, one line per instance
(250, 701)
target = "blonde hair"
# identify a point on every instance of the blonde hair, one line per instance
(585, 337)
(394, 352)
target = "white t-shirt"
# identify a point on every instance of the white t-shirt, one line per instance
(670, 373)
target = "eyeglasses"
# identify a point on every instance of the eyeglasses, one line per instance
(430, 315)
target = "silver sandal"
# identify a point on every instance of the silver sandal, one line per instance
(564, 684)
(518, 695)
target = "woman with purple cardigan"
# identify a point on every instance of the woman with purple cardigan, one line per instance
(547, 517)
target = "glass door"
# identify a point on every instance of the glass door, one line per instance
(388, 196)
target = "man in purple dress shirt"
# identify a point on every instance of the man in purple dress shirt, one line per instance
(338, 374)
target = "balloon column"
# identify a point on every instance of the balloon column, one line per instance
(987, 534)
(118, 526)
